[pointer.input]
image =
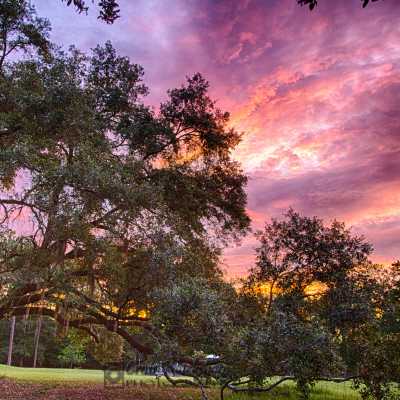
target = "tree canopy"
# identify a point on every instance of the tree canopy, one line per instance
(119, 198)
(313, 308)
(21, 29)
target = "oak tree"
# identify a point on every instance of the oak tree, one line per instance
(113, 198)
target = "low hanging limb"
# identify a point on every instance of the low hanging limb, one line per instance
(17, 306)
(259, 389)
(233, 386)
(77, 323)
(196, 383)
(179, 381)
(227, 383)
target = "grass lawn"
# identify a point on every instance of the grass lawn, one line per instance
(59, 375)
(60, 384)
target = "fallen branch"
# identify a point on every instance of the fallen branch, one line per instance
(261, 389)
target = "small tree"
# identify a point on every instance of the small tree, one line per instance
(313, 308)
(73, 353)
(108, 349)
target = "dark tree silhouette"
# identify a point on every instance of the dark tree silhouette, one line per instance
(313, 3)
(110, 12)
(109, 9)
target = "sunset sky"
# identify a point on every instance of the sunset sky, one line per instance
(316, 95)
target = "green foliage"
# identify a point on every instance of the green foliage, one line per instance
(21, 29)
(23, 348)
(108, 349)
(73, 352)
(314, 307)
(193, 317)
(122, 199)
(375, 346)
(329, 323)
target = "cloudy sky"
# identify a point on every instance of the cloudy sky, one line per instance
(316, 94)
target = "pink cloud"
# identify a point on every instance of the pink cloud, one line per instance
(316, 94)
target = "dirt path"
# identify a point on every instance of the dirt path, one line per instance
(10, 390)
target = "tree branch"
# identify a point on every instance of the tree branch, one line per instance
(280, 381)
(180, 381)
(76, 323)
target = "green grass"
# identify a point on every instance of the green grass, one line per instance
(59, 375)
(321, 391)
(55, 376)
